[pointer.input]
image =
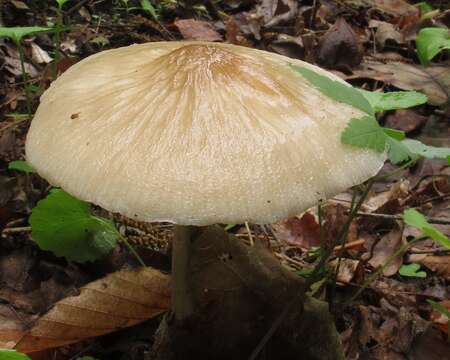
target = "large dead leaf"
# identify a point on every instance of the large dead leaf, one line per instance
(118, 300)
(391, 7)
(384, 249)
(192, 29)
(433, 81)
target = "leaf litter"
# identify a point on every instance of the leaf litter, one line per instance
(367, 42)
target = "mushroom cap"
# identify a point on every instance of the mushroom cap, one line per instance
(195, 133)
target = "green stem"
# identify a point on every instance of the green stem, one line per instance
(24, 75)
(57, 41)
(133, 251)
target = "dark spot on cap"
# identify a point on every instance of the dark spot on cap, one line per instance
(74, 116)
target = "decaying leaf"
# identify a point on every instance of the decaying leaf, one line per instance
(384, 249)
(433, 81)
(339, 46)
(350, 270)
(439, 264)
(119, 300)
(385, 32)
(301, 231)
(192, 29)
(393, 7)
(405, 120)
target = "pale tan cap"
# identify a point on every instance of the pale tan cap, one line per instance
(195, 133)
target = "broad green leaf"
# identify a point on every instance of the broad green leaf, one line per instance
(397, 152)
(430, 41)
(20, 165)
(63, 224)
(17, 33)
(6, 354)
(426, 151)
(393, 100)
(335, 89)
(395, 134)
(148, 8)
(364, 132)
(414, 218)
(412, 270)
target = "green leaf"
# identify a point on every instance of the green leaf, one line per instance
(395, 134)
(430, 41)
(6, 354)
(335, 90)
(397, 152)
(63, 224)
(364, 132)
(414, 218)
(17, 33)
(229, 227)
(426, 151)
(439, 307)
(149, 8)
(393, 100)
(411, 270)
(424, 7)
(20, 165)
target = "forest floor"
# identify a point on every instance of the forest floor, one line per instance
(371, 44)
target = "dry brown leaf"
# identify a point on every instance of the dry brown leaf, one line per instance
(339, 46)
(385, 248)
(439, 319)
(439, 264)
(192, 29)
(405, 120)
(433, 81)
(119, 300)
(303, 231)
(393, 7)
(385, 31)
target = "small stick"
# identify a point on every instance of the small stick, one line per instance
(250, 236)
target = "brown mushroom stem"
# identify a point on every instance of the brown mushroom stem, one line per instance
(182, 306)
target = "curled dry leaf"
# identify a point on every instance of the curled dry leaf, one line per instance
(433, 81)
(119, 300)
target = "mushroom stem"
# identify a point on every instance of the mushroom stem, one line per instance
(182, 306)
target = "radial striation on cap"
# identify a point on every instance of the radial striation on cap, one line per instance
(195, 134)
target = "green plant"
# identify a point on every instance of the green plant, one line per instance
(7, 354)
(431, 41)
(58, 28)
(16, 34)
(20, 165)
(412, 270)
(86, 237)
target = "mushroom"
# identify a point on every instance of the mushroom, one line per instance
(195, 133)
